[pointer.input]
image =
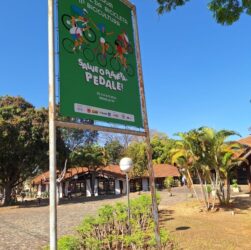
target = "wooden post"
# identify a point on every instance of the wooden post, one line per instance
(146, 127)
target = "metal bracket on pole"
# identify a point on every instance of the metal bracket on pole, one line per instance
(99, 128)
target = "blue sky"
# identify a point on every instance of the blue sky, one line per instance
(196, 72)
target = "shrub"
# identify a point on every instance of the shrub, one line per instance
(234, 183)
(68, 243)
(168, 183)
(109, 230)
(208, 189)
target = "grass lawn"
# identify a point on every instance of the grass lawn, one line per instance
(196, 230)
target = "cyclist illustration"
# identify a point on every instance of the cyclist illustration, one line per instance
(123, 39)
(76, 31)
(102, 40)
(78, 27)
(124, 42)
(120, 53)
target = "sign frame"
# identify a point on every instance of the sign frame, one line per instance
(53, 123)
(91, 87)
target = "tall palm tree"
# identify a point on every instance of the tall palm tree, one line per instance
(230, 158)
(183, 156)
(219, 155)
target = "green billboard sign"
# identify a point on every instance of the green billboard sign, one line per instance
(98, 69)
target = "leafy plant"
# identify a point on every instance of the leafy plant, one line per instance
(208, 189)
(109, 230)
(234, 183)
(168, 183)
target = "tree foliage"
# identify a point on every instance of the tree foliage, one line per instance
(114, 150)
(161, 146)
(224, 11)
(24, 138)
(137, 152)
(210, 156)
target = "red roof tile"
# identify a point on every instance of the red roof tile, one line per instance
(160, 170)
(245, 141)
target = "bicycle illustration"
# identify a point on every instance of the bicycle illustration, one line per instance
(88, 32)
(68, 45)
(95, 45)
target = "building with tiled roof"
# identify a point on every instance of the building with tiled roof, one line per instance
(108, 180)
(243, 172)
(246, 141)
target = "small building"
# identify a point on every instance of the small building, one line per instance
(108, 180)
(243, 172)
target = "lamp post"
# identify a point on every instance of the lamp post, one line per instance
(126, 165)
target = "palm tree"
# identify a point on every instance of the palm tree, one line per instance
(219, 155)
(183, 156)
(206, 151)
(230, 158)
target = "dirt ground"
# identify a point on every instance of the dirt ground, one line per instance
(228, 229)
(27, 227)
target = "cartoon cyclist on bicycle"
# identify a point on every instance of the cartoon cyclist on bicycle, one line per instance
(103, 35)
(123, 40)
(120, 53)
(79, 25)
(122, 45)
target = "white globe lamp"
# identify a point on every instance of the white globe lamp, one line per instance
(126, 164)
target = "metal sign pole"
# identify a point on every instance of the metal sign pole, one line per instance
(128, 203)
(148, 149)
(52, 128)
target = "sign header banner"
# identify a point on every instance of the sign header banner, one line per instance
(98, 69)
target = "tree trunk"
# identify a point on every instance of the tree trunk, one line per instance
(191, 180)
(228, 189)
(202, 189)
(6, 195)
(93, 182)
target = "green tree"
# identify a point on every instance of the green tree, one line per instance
(137, 152)
(75, 138)
(161, 146)
(224, 11)
(114, 150)
(91, 156)
(213, 151)
(183, 157)
(229, 159)
(211, 156)
(23, 142)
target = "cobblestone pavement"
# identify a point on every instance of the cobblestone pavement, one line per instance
(28, 227)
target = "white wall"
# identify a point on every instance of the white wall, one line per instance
(88, 188)
(39, 190)
(145, 186)
(117, 187)
(124, 187)
(96, 187)
(66, 187)
(60, 190)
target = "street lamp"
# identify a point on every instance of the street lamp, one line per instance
(126, 165)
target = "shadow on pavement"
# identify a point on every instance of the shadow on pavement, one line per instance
(64, 201)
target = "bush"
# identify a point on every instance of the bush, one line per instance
(234, 183)
(68, 243)
(208, 189)
(109, 230)
(168, 183)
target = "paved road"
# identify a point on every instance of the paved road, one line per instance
(28, 227)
